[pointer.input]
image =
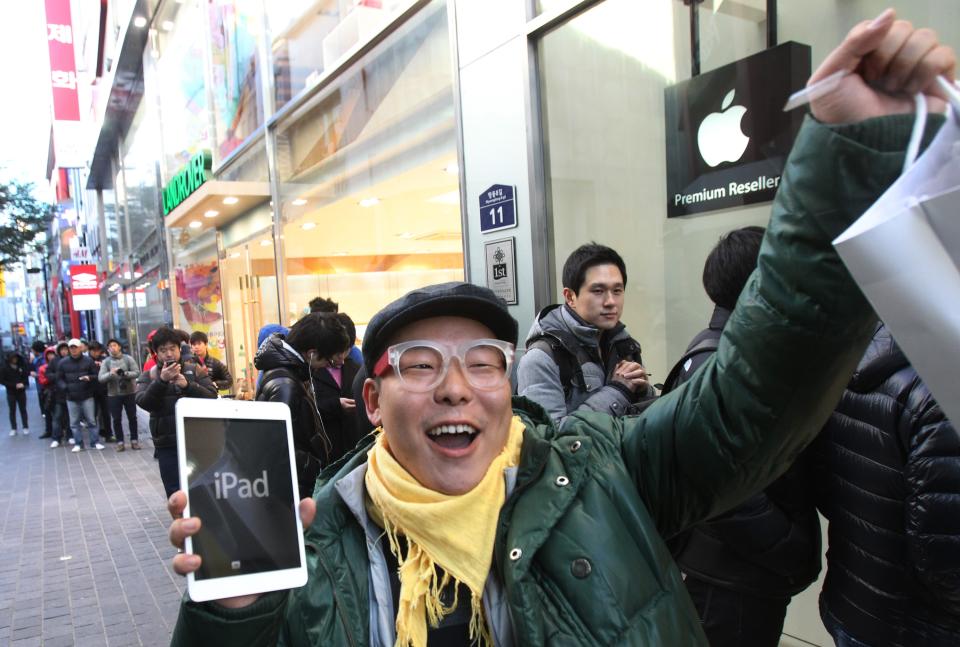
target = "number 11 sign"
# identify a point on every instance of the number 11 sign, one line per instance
(498, 208)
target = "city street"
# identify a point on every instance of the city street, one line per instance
(84, 537)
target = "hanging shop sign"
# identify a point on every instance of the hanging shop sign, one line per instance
(187, 180)
(502, 268)
(69, 141)
(727, 136)
(498, 208)
(84, 287)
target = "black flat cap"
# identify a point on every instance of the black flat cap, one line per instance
(454, 299)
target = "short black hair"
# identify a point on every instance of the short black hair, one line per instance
(166, 335)
(197, 335)
(730, 263)
(37, 346)
(320, 304)
(349, 326)
(586, 256)
(113, 340)
(94, 345)
(320, 331)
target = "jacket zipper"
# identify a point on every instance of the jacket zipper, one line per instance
(336, 597)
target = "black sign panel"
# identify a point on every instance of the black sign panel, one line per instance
(727, 136)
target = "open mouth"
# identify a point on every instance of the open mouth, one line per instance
(453, 436)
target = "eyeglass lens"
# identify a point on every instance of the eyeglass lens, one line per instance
(423, 367)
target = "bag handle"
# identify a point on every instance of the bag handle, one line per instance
(920, 122)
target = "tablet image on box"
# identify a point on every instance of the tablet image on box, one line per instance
(236, 466)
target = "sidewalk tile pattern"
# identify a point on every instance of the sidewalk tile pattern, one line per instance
(84, 536)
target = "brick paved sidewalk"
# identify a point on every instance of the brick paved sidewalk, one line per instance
(86, 560)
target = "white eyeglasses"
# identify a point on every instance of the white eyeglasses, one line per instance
(422, 365)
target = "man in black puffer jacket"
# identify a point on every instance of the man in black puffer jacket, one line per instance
(286, 363)
(77, 377)
(888, 465)
(174, 377)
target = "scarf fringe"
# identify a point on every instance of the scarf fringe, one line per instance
(429, 586)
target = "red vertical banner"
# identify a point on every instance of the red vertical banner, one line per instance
(63, 67)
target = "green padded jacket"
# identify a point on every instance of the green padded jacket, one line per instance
(580, 558)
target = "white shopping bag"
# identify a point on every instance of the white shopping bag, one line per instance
(904, 253)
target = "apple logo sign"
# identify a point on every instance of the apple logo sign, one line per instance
(719, 136)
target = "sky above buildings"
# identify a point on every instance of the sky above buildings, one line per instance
(25, 110)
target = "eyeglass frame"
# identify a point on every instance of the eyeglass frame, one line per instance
(391, 358)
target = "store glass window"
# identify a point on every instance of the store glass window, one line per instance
(111, 223)
(196, 272)
(606, 157)
(149, 297)
(250, 290)
(369, 182)
(235, 72)
(140, 177)
(309, 36)
(177, 51)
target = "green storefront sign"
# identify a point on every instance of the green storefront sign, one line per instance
(187, 180)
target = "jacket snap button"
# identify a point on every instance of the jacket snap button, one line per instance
(563, 481)
(580, 568)
(575, 445)
(515, 554)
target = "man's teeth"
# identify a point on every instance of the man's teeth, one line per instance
(451, 429)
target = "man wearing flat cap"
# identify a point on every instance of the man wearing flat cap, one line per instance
(472, 519)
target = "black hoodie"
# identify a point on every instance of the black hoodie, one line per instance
(286, 378)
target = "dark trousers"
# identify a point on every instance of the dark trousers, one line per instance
(169, 468)
(117, 405)
(61, 420)
(17, 398)
(102, 413)
(733, 619)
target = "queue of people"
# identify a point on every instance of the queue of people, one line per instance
(592, 511)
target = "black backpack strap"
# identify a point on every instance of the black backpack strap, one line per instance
(707, 345)
(567, 354)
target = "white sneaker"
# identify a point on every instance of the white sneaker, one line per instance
(13, 432)
(25, 432)
(54, 444)
(76, 448)
(99, 446)
(73, 442)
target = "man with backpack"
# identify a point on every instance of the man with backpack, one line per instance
(742, 567)
(579, 355)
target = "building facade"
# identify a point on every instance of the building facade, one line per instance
(249, 156)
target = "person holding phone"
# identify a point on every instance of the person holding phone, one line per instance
(77, 377)
(119, 372)
(472, 518)
(158, 390)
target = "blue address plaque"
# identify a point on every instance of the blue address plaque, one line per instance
(498, 208)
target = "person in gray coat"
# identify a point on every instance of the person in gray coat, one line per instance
(580, 356)
(119, 372)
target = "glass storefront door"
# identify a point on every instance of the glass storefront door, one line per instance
(250, 302)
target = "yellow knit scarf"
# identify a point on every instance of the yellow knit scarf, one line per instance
(452, 533)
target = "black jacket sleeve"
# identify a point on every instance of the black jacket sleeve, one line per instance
(286, 389)
(932, 473)
(220, 375)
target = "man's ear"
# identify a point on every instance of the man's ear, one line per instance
(569, 297)
(371, 401)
